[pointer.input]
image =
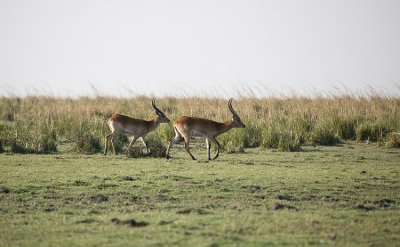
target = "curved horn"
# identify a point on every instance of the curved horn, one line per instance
(153, 103)
(231, 108)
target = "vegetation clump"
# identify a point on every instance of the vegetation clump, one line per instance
(155, 146)
(393, 140)
(323, 133)
(39, 124)
(369, 131)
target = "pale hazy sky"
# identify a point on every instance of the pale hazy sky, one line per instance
(206, 48)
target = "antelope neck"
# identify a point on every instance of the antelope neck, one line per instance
(152, 124)
(227, 125)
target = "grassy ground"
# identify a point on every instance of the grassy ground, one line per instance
(345, 195)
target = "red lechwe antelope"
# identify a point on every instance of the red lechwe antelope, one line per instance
(120, 124)
(187, 127)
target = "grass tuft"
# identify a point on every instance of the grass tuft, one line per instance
(157, 148)
(85, 139)
(323, 133)
(393, 140)
(369, 131)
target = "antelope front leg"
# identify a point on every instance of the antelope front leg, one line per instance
(145, 144)
(130, 143)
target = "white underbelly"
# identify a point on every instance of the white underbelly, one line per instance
(131, 132)
(196, 133)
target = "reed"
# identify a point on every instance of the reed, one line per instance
(42, 124)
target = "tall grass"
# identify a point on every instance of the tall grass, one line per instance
(40, 124)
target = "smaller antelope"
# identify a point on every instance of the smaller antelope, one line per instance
(120, 124)
(187, 126)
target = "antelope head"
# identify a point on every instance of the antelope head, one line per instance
(236, 122)
(161, 117)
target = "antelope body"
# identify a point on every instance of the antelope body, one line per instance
(186, 127)
(138, 128)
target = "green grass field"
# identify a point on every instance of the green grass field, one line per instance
(344, 195)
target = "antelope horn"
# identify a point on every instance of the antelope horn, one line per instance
(231, 108)
(153, 103)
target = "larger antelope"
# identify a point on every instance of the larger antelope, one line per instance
(187, 126)
(120, 124)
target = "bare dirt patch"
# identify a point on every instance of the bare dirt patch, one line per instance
(364, 207)
(193, 210)
(130, 222)
(86, 221)
(4, 190)
(128, 178)
(98, 198)
(278, 206)
(286, 198)
(385, 203)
